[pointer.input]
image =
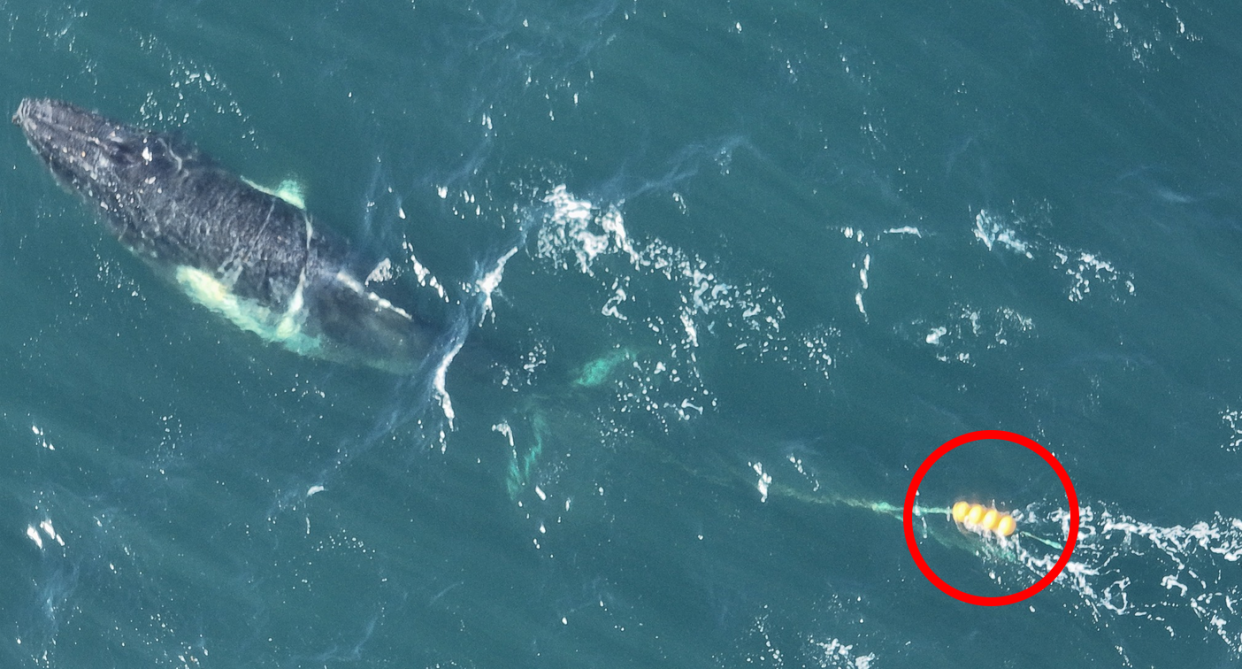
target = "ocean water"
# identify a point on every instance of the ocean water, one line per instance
(729, 272)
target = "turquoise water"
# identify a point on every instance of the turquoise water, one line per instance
(738, 269)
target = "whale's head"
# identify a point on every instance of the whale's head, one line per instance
(103, 160)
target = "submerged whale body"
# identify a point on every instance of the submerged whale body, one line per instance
(255, 258)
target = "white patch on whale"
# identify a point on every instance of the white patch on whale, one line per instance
(289, 190)
(279, 328)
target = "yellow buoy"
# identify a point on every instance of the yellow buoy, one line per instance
(959, 511)
(983, 519)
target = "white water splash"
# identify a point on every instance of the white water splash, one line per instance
(578, 227)
(490, 281)
(764, 482)
(1085, 269)
(33, 533)
(838, 655)
(1233, 418)
(1118, 558)
(968, 329)
(578, 235)
(1151, 28)
(993, 231)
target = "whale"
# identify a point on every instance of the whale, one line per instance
(258, 260)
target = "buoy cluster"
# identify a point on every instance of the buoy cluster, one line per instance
(983, 519)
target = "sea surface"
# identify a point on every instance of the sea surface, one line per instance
(729, 272)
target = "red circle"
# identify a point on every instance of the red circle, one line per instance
(908, 518)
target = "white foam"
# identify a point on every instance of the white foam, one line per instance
(764, 482)
(490, 281)
(992, 231)
(579, 235)
(576, 226)
(382, 272)
(1085, 269)
(1195, 566)
(906, 230)
(33, 534)
(441, 391)
(1140, 31)
(38, 432)
(837, 654)
(504, 429)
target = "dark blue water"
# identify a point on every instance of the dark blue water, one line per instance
(729, 273)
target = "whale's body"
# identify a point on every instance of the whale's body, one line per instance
(255, 258)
